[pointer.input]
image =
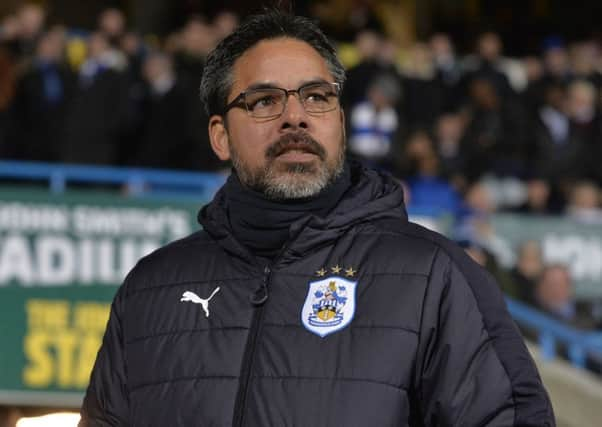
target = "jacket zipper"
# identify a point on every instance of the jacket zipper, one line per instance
(258, 299)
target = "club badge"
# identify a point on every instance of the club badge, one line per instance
(329, 305)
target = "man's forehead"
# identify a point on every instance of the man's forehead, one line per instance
(284, 62)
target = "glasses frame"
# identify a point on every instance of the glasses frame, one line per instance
(240, 100)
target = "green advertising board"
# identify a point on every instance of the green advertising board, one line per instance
(575, 245)
(61, 261)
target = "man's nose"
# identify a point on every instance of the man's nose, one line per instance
(294, 115)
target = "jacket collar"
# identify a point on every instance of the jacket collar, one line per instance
(372, 196)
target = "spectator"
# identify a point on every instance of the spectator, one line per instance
(487, 64)
(388, 55)
(495, 139)
(584, 203)
(111, 24)
(224, 23)
(586, 121)
(556, 61)
(539, 199)
(425, 95)
(167, 137)
(533, 68)
(554, 294)
(9, 30)
(448, 70)
(135, 50)
(388, 60)
(367, 43)
(473, 223)
(556, 71)
(449, 132)
(431, 194)
(43, 95)
(30, 23)
(526, 272)
(486, 260)
(583, 56)
(97, 119)
(532, 97)
(582, 112)
(375, 125)
(479, 204)
(196, 39)
(446, 64)
(476, 252)
(557, 151)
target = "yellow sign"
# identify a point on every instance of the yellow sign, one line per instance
(61, 342)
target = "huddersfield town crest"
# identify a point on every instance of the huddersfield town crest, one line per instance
(329, 305)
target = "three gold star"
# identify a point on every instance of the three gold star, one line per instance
(337, 269)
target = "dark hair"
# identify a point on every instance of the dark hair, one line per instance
(217, 74)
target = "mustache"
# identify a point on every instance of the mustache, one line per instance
(300, 141)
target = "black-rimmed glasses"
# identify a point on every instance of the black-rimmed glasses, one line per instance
(270, 102)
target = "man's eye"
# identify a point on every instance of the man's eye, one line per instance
(317, 97)
(263, 102)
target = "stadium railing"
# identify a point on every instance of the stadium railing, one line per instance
(552, 334)
(139, 182)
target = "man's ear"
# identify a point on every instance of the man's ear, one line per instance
(218, 136)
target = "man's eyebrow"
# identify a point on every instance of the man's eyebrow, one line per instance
(313, 81)
(261, 86)
(264, 85)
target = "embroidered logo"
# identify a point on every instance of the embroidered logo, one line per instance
(329, 305)
(192, 297)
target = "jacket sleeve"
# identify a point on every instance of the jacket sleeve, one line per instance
(473, 368)
(106, 401)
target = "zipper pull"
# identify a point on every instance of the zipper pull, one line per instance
(260, 296)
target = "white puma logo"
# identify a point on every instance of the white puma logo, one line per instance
(192, 297)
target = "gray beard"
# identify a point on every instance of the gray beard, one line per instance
(290, 180)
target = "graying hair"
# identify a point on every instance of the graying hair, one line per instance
(217, 75)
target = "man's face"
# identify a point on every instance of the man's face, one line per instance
(554, 288)
(292, 156)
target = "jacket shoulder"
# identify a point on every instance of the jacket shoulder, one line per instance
(173, 263)
(468, 286)
(417, 247)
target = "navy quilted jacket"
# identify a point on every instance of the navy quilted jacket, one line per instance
(364, 319)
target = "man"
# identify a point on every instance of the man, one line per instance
(170, 112)
(375, 124)
(308, 299)
(42, 98)
(554, 294)
(98, 117)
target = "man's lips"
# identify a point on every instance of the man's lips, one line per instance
(296, 156)
(296, 146)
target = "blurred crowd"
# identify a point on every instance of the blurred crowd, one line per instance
(474, 135)
(530, 127)
(467, 134)
(105, 97)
